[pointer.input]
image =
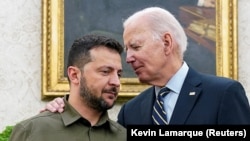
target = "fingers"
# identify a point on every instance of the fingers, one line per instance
(52, 106)
(42, 110)
(56, 105)
(59, 101)
(61, 104)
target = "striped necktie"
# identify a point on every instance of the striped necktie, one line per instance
(159, 114)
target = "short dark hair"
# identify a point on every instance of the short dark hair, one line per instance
(79, 53)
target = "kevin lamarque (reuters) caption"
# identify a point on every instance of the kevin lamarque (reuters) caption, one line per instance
(189, 132)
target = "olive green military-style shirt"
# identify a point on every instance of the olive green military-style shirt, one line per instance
(67, 126)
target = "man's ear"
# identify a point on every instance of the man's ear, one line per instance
(168, 42)
(74, 74)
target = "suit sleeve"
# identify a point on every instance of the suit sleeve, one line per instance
(235, 107)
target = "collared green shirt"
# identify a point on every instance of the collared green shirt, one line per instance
(67, 126)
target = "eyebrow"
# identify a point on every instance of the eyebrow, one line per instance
(110, 67)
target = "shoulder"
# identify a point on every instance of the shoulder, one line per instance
(203, 78)
(219, 80)
(42, 120)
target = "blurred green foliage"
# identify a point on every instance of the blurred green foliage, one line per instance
(4, 136)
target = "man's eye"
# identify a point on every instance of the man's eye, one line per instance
(119, 74)
(136, 47)
(105, 71)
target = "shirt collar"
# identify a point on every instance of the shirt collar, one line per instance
(177, 80)
(70, 115)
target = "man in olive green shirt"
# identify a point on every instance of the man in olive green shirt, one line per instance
(94, 70)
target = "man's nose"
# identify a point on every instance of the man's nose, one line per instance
(129, 56)
(115, 80)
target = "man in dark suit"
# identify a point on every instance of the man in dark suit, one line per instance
(155, 44)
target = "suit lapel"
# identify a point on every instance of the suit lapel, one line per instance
(146, 105)
(187, 98)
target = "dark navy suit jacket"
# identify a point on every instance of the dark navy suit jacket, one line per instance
(216, 101)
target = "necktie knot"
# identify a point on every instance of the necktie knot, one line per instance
(164, 91)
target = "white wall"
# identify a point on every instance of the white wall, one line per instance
(20, 58)
(244, 44)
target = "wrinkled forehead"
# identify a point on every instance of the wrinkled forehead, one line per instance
(135, 36)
